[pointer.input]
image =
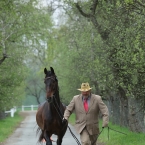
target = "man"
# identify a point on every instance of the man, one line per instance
(87, 107)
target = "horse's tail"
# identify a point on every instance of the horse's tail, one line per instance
(41, 137)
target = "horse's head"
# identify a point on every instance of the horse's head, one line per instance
(51, 83)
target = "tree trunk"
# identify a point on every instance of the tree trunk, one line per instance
(123, 107)
(115, 112)
(124, 112)
(136, 116)
(2, 115)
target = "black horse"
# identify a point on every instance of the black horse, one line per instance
(50, 114)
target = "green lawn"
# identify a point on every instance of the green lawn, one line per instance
(116, 138)
(8, 125)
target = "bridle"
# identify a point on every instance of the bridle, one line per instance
(49, 99)
(52, 77)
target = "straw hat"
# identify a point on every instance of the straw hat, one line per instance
(85, 87)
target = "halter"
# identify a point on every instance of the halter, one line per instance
(50, 99)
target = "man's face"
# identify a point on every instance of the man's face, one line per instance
(86, 93)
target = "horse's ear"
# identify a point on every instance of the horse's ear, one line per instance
(52, 70)
(45, 71)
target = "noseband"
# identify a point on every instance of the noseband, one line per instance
(53, 78)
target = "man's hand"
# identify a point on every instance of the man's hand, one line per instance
(64, 121)
(104, 126)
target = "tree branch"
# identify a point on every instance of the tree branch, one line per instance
(81, 11)
(104, 33)
(94, 6)
(141, 4)
(3, 58)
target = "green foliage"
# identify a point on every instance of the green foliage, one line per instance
(11, 82)
(108, 54)
(79, 57)
(103, 46)
(120, 26)
(34, 87)
(24, 34)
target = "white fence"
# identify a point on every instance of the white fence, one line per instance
(32, 107)
(12, 111)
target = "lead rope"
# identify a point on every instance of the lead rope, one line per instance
(74, 136)
(97, 135)
(115, 131)
(60, 115)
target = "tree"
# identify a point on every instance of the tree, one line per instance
(24, 30)
(115, 22)
(121, 39)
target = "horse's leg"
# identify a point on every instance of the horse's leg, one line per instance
(60, 137)
(47, 139)
(59, 141)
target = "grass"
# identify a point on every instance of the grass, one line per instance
(116, 138)
(8, 125)
(72, 119)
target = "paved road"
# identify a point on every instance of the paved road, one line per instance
(25, 134)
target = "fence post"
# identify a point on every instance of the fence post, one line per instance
(22, 108)
(12, 112)
(31, 107)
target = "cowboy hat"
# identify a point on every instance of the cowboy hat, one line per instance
(85, 87)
